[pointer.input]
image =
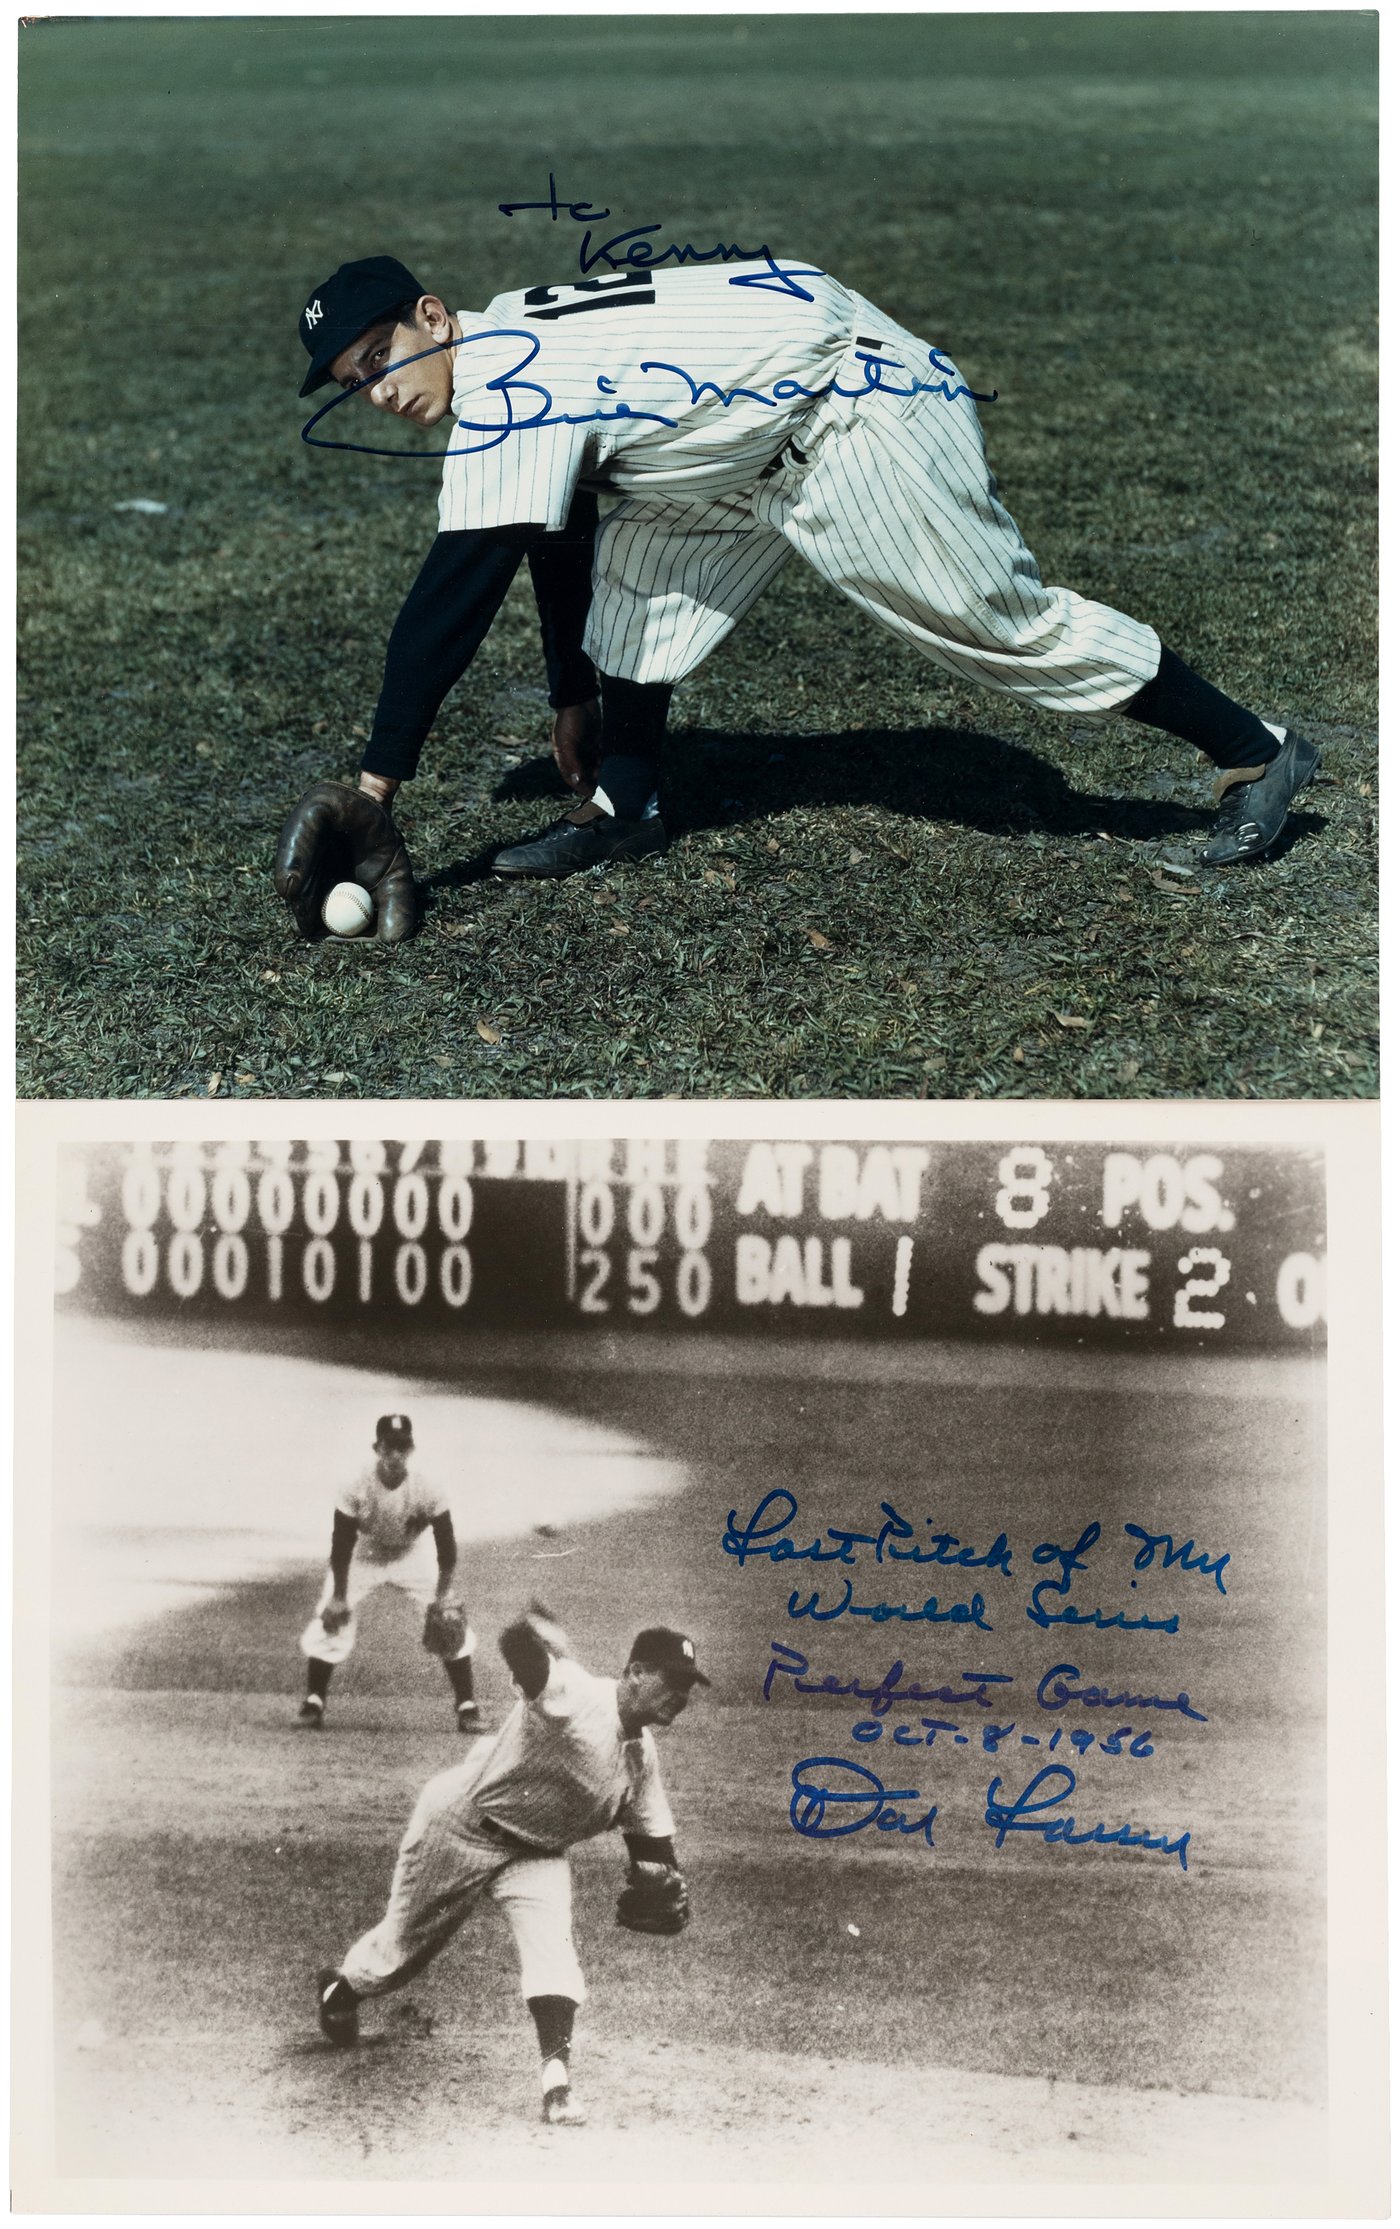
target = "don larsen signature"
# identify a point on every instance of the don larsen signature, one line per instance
(825, 1807)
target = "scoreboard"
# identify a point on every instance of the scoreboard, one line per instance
(1184, 1246)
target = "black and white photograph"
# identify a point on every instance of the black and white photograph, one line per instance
(758, 1662)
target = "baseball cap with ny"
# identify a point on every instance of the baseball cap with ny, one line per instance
(393, 1431)
(352, 299)
(662, 1650)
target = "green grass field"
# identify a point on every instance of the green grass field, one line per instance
(893, 1999)
(1153, 235)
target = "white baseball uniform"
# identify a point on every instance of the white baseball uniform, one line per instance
(500, 1824)
(744, 411)
(394, 1548)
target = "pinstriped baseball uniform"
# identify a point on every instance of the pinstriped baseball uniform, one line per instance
(743, 415)
(500, 1824)
(394, 1548)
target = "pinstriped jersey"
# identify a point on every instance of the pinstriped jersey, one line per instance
(679, 383)
(390, 1518)
(561, 1768)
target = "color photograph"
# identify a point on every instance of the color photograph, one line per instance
(723, 556)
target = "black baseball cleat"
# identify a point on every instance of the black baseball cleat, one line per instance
(312, 1714)
(337, 2008)
(584, 838)
(468, 1718)
(1252, 813)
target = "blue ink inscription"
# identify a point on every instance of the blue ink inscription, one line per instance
(1080, 1739)
(578, 210)
(1054, 1694)
(880, 1613)
(639, 251)
(881, 1694)
(765, 1534)
(1186, 1555)
(1020, 1816)
(1070, 1561)
(863, 1801)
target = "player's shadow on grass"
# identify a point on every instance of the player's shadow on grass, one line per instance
(712, 779)
(959, 776)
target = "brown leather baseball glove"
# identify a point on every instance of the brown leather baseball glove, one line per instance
(338, 834)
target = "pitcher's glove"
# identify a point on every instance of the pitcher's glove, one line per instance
(445, 1627)
(655, 1900)
(337, 834)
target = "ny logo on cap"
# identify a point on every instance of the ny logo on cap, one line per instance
(688, 1650)
(314, 312)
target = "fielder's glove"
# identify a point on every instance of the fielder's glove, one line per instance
(337, 834)
(445, 1627)
(655, 1900)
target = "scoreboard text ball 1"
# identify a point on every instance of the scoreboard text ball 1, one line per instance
(1076, 1241)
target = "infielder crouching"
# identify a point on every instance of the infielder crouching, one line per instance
(379, 1538)
(741, 413)
(575, 1757)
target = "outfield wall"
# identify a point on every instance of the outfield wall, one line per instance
(1078, 1243)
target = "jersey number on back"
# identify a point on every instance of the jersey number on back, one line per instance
(598, 294)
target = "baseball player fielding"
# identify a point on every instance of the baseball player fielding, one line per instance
(575, 1757)
(735, 414)
(379, 1538)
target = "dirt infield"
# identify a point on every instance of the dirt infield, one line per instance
(996, 2014)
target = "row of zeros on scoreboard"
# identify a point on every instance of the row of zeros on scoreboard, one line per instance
(788, 1181)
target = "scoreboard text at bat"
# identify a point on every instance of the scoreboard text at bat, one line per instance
(861, 1208)
(857, 1236)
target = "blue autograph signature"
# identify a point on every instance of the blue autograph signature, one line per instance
(864, 1801)
(539, 411)
(1021, 1816)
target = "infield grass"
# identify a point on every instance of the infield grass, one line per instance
(1152, 235)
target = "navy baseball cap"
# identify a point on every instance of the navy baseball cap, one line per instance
(393, 1431)
(662, 1650)
(346, 305)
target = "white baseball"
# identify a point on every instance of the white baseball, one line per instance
(349, 910)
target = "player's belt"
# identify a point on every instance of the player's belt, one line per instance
(495, 1832)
